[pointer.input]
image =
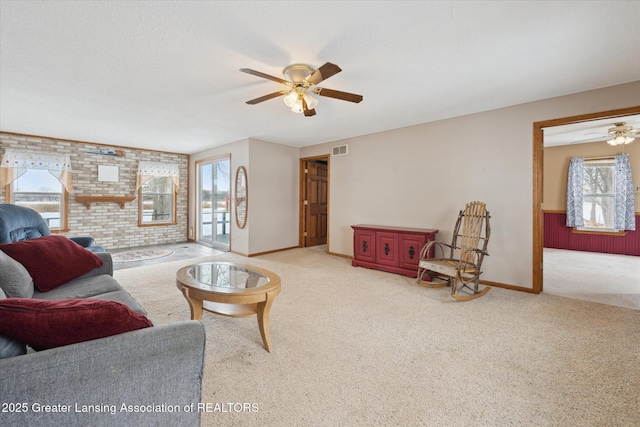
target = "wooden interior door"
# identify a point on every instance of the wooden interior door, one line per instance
(315, 202)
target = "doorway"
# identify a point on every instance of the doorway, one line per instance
(538, 158)
(314, 201)
(213, 200)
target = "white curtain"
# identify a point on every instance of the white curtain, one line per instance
(625, 203)
(148, 170)
(14, 164)
(574, 192)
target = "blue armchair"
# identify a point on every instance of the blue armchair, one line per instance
(19, 223)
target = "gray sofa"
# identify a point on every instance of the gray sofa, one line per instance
(147, 377)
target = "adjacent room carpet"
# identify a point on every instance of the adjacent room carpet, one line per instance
(140, 255)
(360, 347)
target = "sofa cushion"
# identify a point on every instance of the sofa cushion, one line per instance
(52, 260)
(15, 280)
(81, 288)
(47, 324)
(102, 287)
(123, 297)
(106, 268)
(8, 346)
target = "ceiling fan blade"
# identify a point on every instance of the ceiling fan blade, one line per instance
(345, 96)
(323, 73)
(593, 139)
(305, 108)
(264, 76)
(267, 97)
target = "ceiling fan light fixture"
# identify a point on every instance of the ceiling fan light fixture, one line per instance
(620, 139)
(290, 98)
(300, 82)
(620, 134)
(310, 100)
(297, 106)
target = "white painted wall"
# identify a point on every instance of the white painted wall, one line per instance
(273, 180)
(421, 176)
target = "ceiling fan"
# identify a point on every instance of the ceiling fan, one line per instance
(301, 85)
(619, 134)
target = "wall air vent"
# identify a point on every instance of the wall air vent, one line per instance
(340, 150)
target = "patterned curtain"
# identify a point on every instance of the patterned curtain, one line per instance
(574, 192)
(625, 203)
(16, 163)
(148, 170)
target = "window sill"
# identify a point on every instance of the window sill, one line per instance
(599, 233)
(157, 224)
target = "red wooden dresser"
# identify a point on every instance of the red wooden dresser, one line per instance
(391, 249)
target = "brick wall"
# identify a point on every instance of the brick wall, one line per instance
(111, 226)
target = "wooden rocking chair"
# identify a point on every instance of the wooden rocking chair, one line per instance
(461, 269)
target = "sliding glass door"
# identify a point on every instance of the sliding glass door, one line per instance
(214, 192)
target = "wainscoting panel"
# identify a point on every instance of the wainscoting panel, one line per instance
(557, 235)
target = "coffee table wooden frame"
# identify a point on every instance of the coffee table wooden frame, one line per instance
(232, 302)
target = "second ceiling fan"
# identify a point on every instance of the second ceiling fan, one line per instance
(300, 87)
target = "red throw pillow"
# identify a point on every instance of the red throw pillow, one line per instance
(46, 324)
(52, 260)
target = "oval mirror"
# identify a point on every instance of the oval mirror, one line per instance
(241, 197)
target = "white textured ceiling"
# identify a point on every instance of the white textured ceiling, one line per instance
(164, 74)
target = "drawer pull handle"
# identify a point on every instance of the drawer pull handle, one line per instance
(386, 249)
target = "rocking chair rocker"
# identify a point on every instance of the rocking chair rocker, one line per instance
(461, 269)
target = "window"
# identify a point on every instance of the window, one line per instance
(157, 186)
(40, 181)
(213, 202)
(598, 194)
(39, 190)
(157, 201)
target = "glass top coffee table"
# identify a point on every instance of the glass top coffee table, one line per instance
(230, 289)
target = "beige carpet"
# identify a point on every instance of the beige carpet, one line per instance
(590, 276)
(358, 347)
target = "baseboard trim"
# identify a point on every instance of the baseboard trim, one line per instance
(507, 286)
(484, 282)
(271, 252)
(339, 255)
(238, 253)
